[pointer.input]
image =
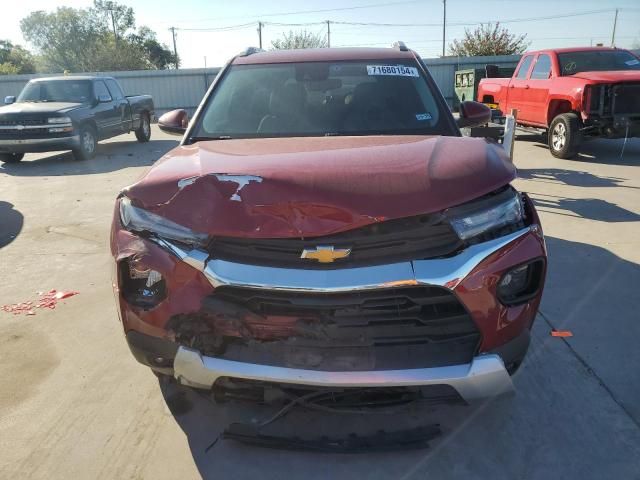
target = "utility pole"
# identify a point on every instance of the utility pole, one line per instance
(444, 26)
(613, 34)
(175, 49)
(113, 24)
(260, 34)
(329, 33)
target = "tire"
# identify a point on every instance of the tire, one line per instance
(88, 144)
(564, 135)
(11, 157)
(143, 133)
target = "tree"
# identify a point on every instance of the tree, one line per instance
(14, 59)
(67, 39)
(99, 38)
(299, 39)
(488, 39)
(120, 18)
(158, 56)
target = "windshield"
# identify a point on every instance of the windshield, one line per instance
(322, 99)
(597, 61)
(74, 91)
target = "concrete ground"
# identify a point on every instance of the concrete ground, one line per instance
(75, 404)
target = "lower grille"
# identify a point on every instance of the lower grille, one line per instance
(31, 133)
(25, 122)
(409, 327)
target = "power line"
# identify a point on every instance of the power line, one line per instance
(302, 12)
(466, 24)
(410, 43)
(220, 29)
(391, 25)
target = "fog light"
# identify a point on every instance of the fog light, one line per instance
(521, 283)
(515, 280)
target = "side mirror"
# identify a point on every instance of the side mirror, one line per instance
(104, 99)
(174, 122)
(9, 99)
(473, 114)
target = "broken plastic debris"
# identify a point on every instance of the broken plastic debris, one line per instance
(47, 300)
(61, 295)
(561, 333)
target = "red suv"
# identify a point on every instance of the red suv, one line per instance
(323, 224)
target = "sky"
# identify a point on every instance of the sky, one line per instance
(591, 23)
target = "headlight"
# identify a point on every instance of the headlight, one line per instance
(469, 222)
(59, 120)
(139, 220)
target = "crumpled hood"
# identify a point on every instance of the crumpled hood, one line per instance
(39, 107)
(611, 76)
(305, 187)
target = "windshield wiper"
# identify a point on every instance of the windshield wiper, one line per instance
(204, 139)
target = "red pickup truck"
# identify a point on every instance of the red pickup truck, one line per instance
(573, 93)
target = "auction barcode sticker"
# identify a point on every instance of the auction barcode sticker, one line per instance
(395, 70)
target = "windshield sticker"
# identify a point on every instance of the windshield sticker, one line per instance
(423, 116)
(394, 70)
(632, 62)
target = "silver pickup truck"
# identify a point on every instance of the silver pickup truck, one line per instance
(70, 113)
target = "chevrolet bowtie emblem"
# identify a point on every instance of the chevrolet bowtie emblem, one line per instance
(325, 254)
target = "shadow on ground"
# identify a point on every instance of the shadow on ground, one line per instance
(591, 208)
(594, 293)
(574, 178)
(11, 221)
(612, 152)
(111, 156)
(554, 427)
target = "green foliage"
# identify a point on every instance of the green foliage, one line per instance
(7, 68)
(14, 59)
(157, 55)
(300, 39)
(487, 40)
(100, 38)
(113, 16)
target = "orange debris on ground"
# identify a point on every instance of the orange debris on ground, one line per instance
(561, 333)
(47, 300)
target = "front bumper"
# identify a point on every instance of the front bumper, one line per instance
(484, 377)
(34, 145)
(472, 276)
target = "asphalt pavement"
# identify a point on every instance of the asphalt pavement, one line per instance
(75, 404)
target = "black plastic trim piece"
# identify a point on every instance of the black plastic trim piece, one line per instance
(147, 349)
(380, 441)
(514, 351)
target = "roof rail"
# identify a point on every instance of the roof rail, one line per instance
(250, 51)
(399, 45)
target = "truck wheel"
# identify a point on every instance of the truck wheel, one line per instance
(564, 135)
(11, 157)
(88, 144)
(143, 133)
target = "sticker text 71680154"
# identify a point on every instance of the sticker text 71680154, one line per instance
(394, 70)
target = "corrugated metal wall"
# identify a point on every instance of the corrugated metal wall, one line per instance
(184, 88)
(170, 88)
